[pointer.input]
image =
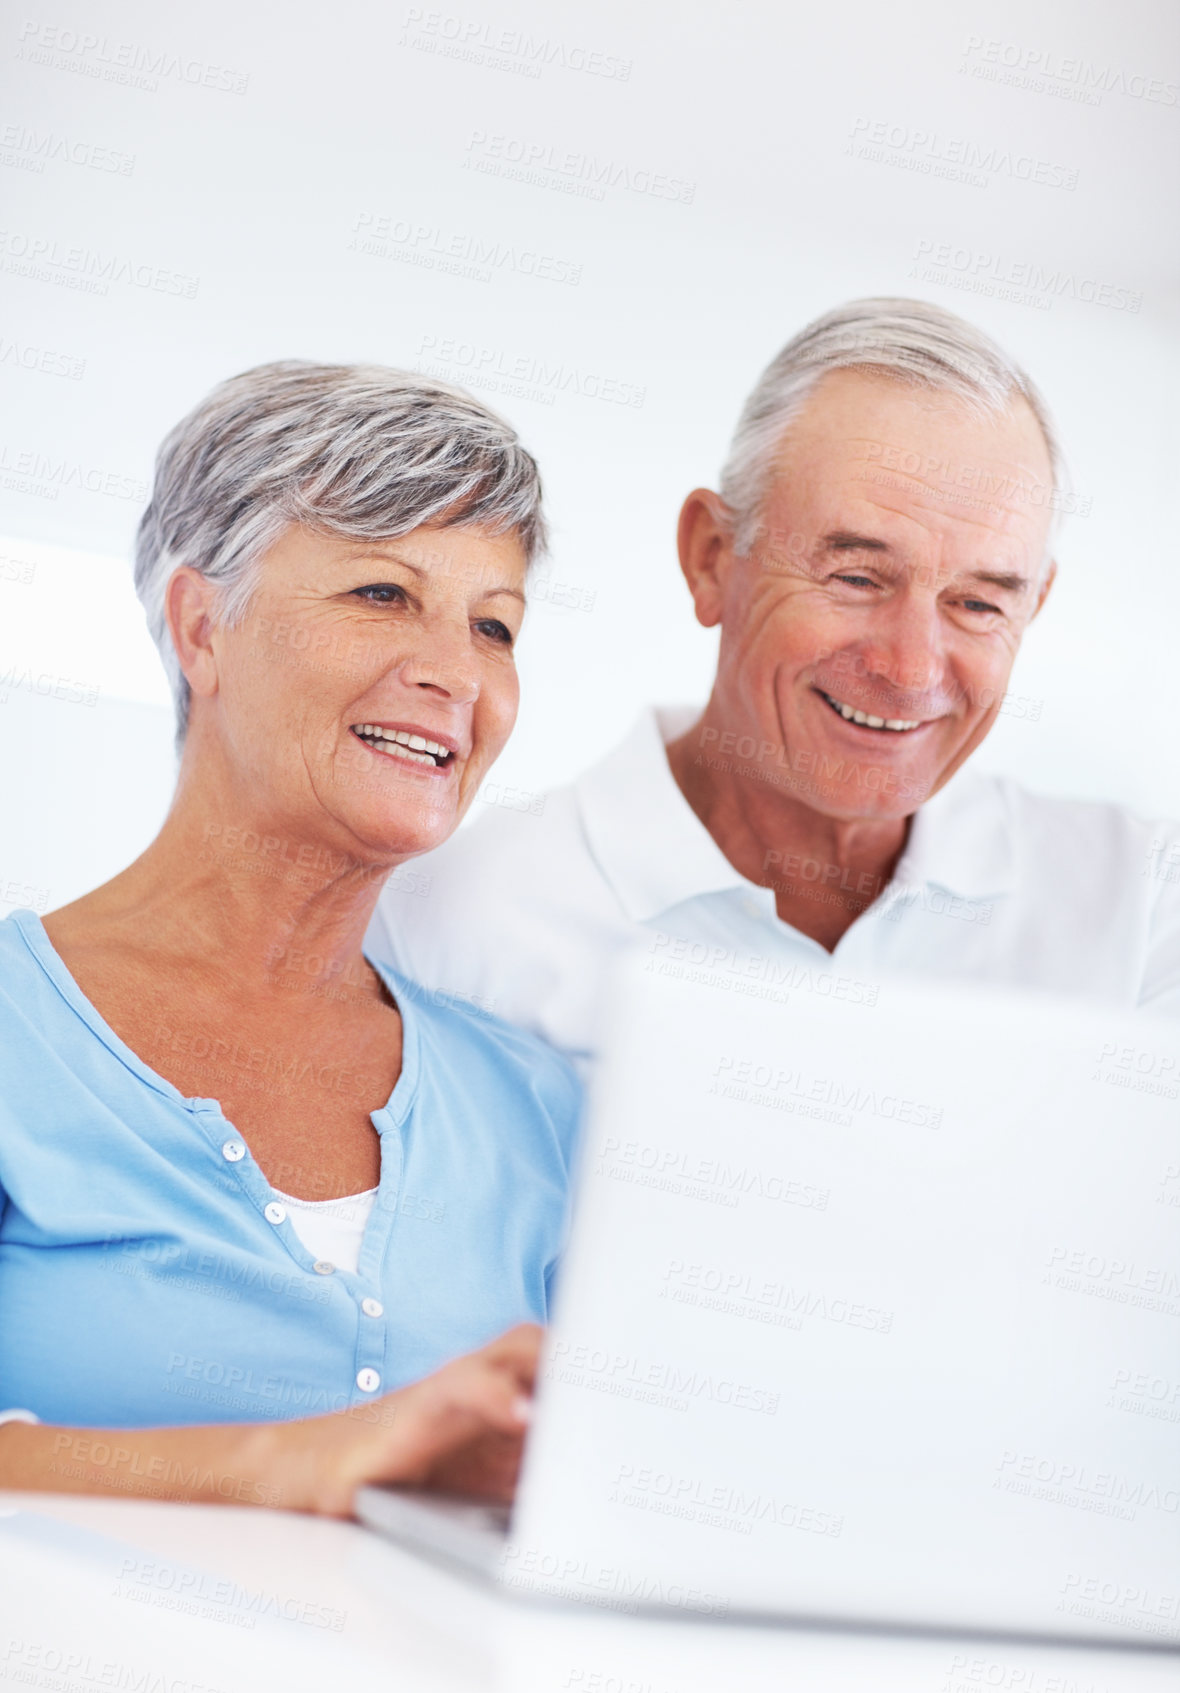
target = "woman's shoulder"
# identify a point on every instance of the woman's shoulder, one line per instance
(20, 966)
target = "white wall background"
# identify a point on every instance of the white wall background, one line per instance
(256, 148)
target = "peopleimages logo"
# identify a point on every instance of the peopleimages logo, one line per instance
(716, 1505)
(715, 1180)
(522, 374)
(955, 157)
(1064, 1483)
(496, 48)
(31, 149)
(1024, 281)
(674, 1387)
(456, 253)
(45, 474)
(130, 63)
(44, 259)
(1066, 75)
(544, 1570)
(742, 1078)
(542, 165)
(739, 1293)
(45, 361)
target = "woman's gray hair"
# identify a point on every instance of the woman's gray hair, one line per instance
(906, 339)
(356, 450)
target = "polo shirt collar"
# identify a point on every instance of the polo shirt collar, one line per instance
(647, 840)
(656, 853)
(962, 840)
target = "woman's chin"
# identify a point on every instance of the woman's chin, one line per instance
(394, 840)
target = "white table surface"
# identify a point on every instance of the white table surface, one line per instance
(98, 1593)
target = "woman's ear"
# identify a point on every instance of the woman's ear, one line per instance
(704, 539)
(188, 606)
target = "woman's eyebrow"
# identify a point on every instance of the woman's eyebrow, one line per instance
(421, 571)
(376, 556)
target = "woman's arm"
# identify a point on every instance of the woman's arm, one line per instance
(459, 1430)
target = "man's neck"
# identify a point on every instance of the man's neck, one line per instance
(824, 870)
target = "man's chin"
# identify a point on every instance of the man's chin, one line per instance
(877, 796)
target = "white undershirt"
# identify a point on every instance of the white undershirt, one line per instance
(331, 1229)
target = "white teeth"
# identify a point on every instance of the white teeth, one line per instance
(405, 752)
(851, 715)
(415, 747)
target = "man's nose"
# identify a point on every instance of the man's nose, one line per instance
(904, 646)
(441, 660)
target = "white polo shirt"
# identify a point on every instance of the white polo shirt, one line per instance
(525, 911)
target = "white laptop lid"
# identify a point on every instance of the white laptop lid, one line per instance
(869, 1311)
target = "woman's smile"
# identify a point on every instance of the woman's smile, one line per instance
(409, 745)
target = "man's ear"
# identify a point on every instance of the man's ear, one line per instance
(1043, 593)
(188, 606)
(704, 539)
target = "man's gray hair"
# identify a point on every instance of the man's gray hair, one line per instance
(906, 339)
(355, 450)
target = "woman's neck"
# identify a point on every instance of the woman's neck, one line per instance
(259, 894)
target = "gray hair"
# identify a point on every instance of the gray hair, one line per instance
(356, 450)
(907, 339)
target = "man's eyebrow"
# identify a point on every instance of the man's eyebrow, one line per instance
(1012, 581)
(846, 539)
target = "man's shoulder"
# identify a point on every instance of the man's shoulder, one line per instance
(510, 844)
(1095, 846)
(512, 915)
(1093, 821)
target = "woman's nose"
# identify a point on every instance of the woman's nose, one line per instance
(441, 659)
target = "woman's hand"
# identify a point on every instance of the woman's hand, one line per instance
(459, 1430)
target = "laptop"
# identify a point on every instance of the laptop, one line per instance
(870, 1314)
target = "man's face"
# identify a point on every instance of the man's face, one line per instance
(899, 559)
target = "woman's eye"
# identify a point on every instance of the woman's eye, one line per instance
(380, 593)
(497, 631)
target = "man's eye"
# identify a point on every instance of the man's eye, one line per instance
(979, 605)
(380, 593)
(855, 581)
(495, 630)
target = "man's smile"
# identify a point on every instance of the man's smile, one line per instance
(852, 714)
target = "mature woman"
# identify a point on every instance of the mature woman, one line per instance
(249, 1182)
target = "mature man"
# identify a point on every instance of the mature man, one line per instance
(878, 548)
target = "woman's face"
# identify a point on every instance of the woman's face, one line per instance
(370, 684)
